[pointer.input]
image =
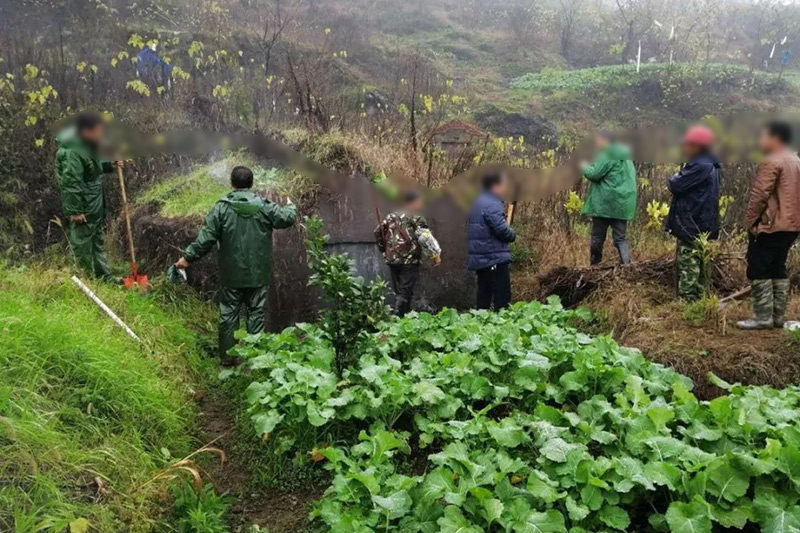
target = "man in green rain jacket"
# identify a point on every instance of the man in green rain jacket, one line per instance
(241, 223)
(79, 173)
(612, 196)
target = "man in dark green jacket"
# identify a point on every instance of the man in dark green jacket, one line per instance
(241, 223)
(612, 196)
(79, 173)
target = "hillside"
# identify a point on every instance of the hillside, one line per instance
(87, 415)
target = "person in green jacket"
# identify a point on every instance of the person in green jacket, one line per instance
(79, 173)
(241, 223)
(611, 201)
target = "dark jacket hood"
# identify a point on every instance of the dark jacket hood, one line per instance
(244, 202)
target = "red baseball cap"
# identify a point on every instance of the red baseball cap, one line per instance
(699, 135)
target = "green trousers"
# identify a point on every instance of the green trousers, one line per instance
(254, 300)
(694, 274)
(87, 243)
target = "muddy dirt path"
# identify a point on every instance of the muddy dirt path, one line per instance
(278, 511)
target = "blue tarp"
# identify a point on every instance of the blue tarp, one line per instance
(152, 68)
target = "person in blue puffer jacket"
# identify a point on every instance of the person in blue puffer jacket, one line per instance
(488, 238)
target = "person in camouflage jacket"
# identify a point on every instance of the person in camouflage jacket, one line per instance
(403, 237)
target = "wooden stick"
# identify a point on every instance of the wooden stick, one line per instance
(127, 219)
(88, 292)
(736, 295)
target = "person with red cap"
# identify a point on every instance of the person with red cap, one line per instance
(694, 210)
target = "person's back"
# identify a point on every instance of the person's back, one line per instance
(241, 223)
(488, 235)
(488, 238)
(402, 237)
(245, 237)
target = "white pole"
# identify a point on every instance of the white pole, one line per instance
(639, 58)
(670, 56)
(88, 292)
(772, 54)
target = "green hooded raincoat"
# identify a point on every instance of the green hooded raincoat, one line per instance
(79, 173)
(242, 223)
(612, 187)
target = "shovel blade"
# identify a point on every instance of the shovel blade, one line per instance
(136, 281)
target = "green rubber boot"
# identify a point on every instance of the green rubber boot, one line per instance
(763, 305)
(780, 298)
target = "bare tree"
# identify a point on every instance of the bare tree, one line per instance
(569, 14)
(637, 17)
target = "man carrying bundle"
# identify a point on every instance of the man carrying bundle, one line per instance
(403, 237)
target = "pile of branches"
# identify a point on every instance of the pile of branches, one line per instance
(573, 285)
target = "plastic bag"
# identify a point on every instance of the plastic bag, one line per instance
(176, 275)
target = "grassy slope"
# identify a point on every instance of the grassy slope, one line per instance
(195, 193)
(81, 401)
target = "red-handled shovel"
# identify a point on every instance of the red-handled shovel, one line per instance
(135, 279)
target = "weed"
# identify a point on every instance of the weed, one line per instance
(702, 311)
(199, 512)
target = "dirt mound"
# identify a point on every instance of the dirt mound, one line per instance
(573, 285)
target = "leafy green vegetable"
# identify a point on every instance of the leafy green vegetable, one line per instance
(515, 421)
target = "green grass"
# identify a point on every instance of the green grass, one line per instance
(80, 401)
(194, 194)
(189, 195)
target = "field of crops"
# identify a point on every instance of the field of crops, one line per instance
(617, 76)
(515, 421)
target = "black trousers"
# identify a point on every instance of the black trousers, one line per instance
(404, 279)
(619, 230)
(494, 287)
(767, 254)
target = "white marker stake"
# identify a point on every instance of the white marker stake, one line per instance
(639, 58)
(88, 292)
(772, 54)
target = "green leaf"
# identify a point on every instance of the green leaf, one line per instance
(437, 483)
(79, 525)
(492, 509)
(557, 449)
(265, 422)
(507, 433)
(615, 517)
(535, 522)
(689, 517)
(319, 417)
(395, 505)
(727, 483)
(737, 517)
(429, 392)
(577, 512)
(455, 522)
(540, 486)
(660, 415)
(661, 473)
